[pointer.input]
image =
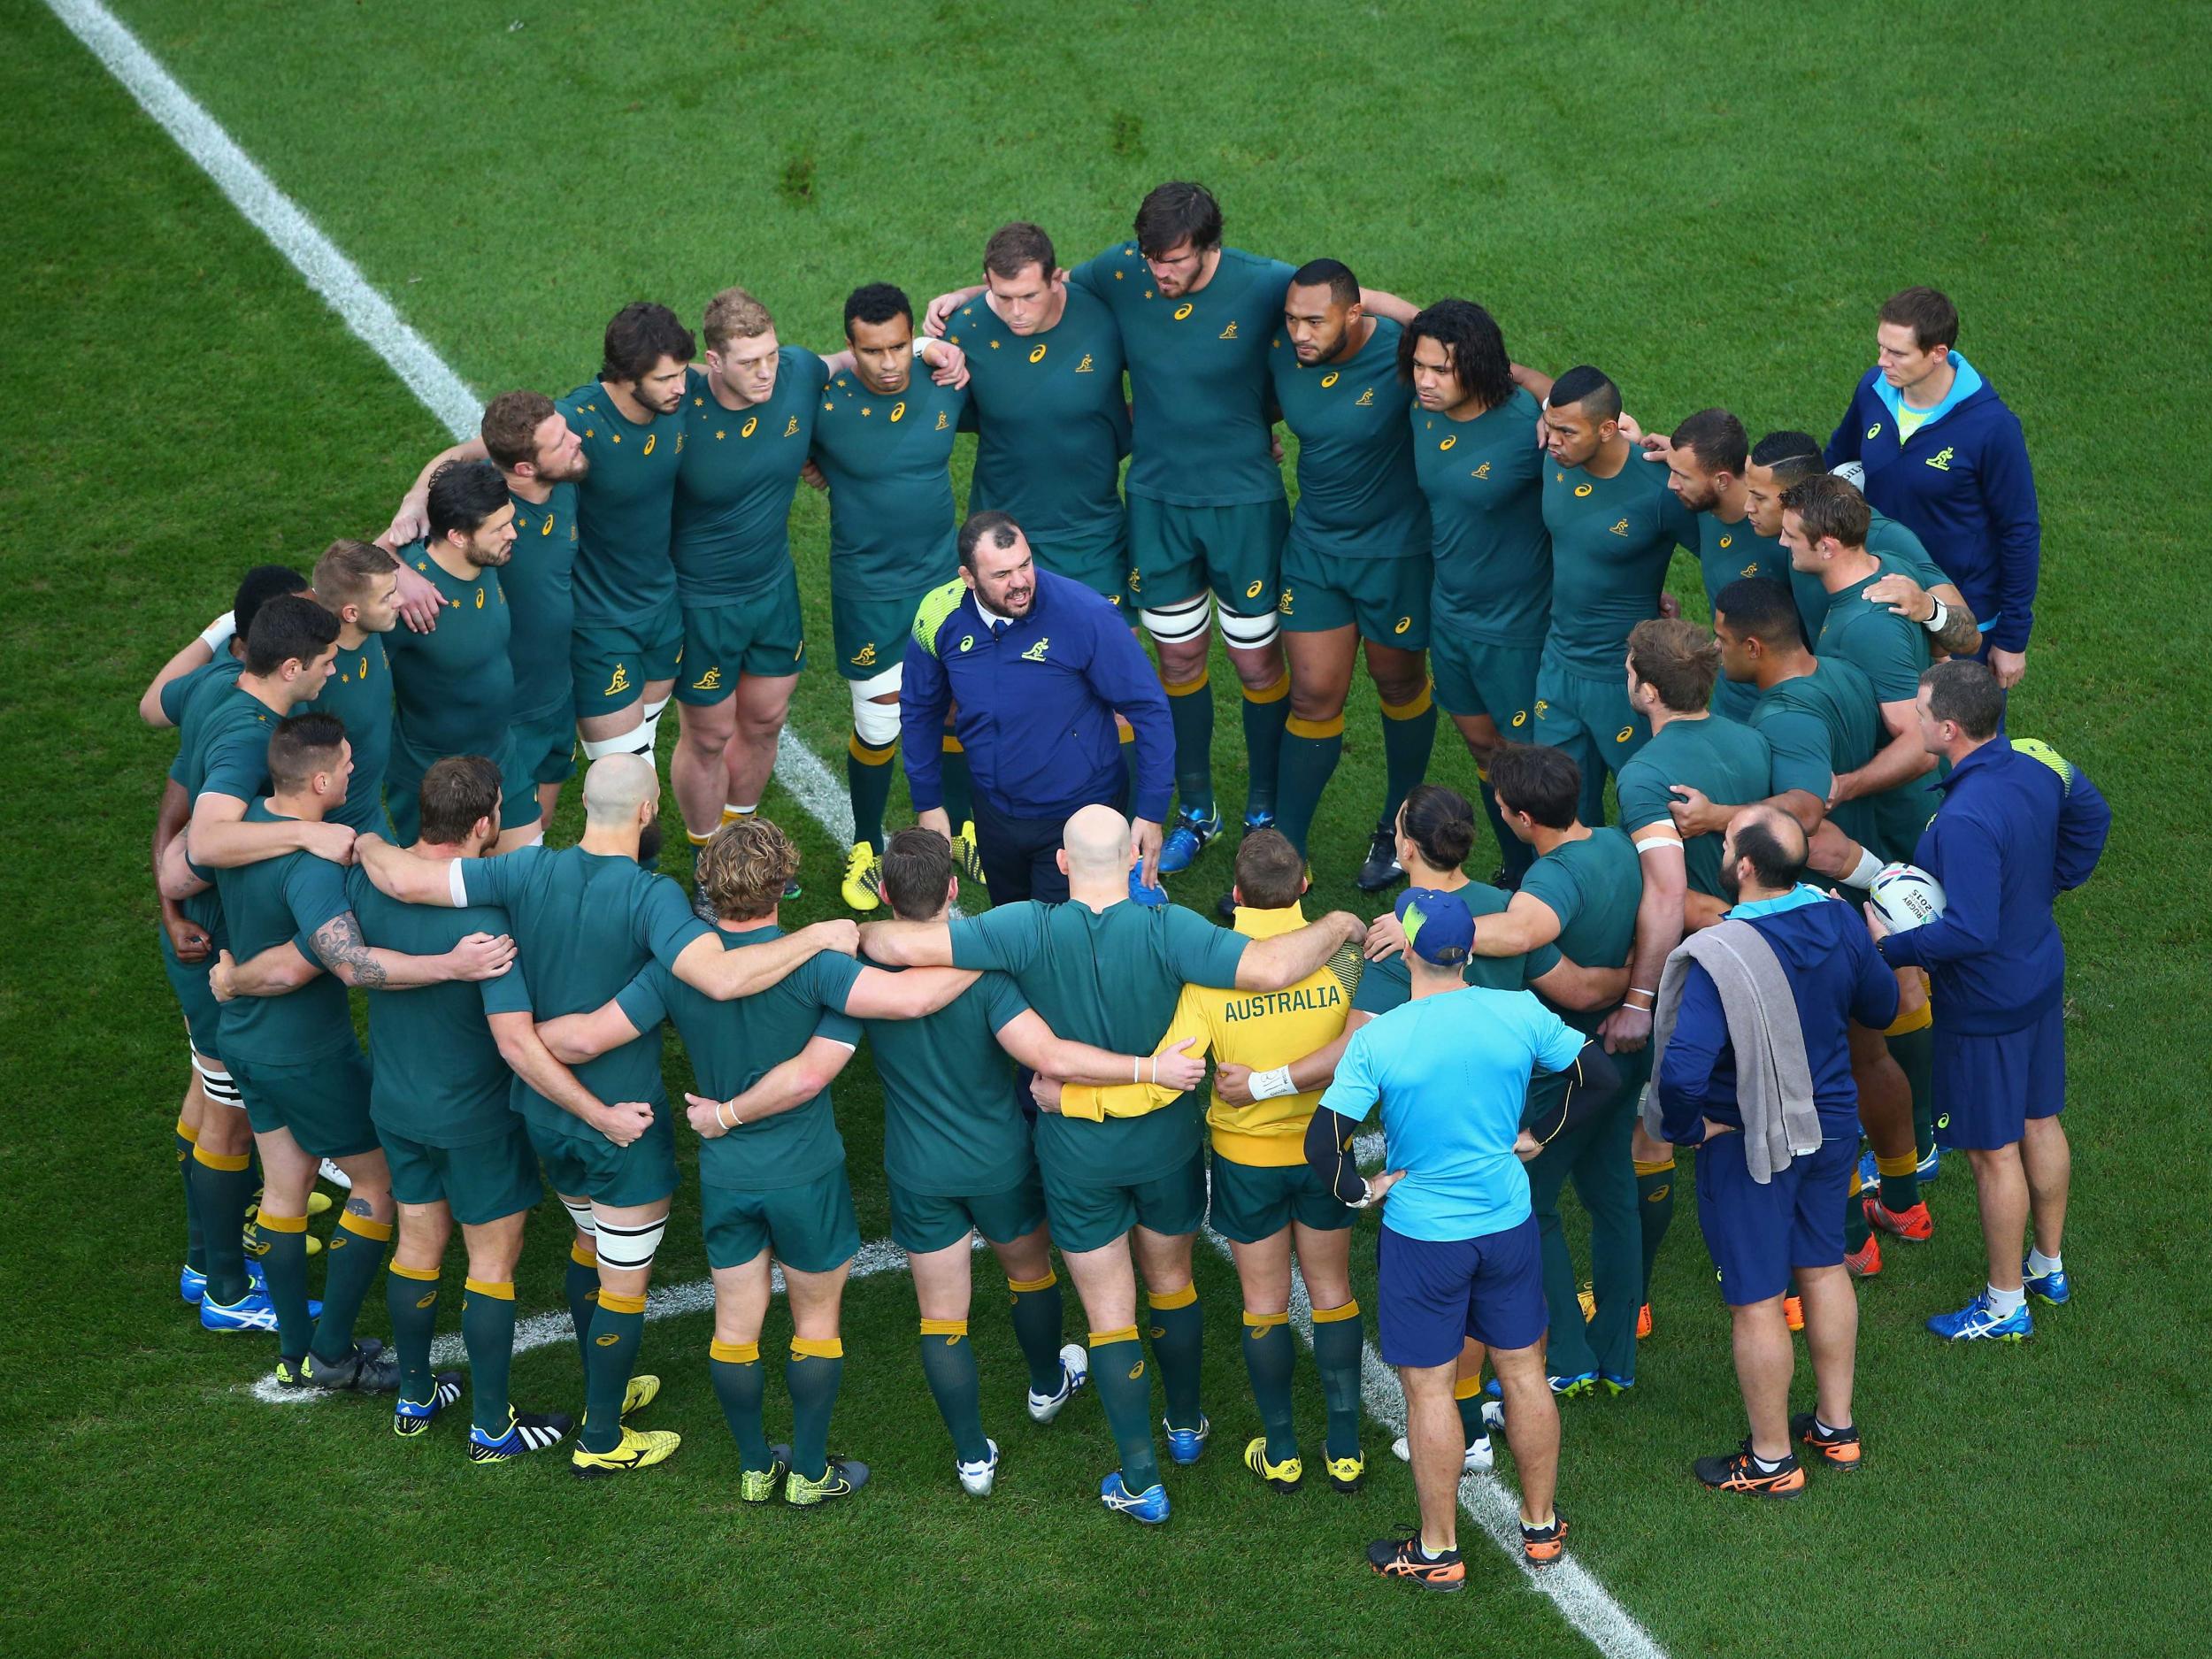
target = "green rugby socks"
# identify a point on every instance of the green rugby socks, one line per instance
(1190, 708)
(195, 1244)
(1654, 1208)
(1037, 1318)
(1125, 1394)
(618, 1325)
(284, 1265)
(1914, 1054)
(1179, 1342)
(949, 1367)
(582, 1286)
(355, 1251)
(740, 1381)
(221, 1187)
(1310, 751)
(487, 1332)
(1269, 1360)
(1467, 1390)
(1337, 1342)
(1266, 715)
(411, 1300)
(1408, 731)
(816, 1368)
(868, 773)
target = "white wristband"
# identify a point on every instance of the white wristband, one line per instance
(1937, 618)
(1272, 1084)
(1868, 867)
(220, 633)
(922, 344)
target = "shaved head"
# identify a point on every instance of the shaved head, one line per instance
(616, 786)
(1097, 842)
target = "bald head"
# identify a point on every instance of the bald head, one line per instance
(1762, 855)
(616, 786)
(1097, 841)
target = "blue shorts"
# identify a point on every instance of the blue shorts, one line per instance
(1987, 1088)
(1757, 1235)
(1432, 1295)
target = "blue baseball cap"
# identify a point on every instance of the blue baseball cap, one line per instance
(1439, 926)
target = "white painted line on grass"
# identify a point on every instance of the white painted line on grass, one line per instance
(1580, 1598)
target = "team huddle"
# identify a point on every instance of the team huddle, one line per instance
(1816, 942)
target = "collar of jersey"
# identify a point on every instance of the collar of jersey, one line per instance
(1966, 379)
(1266, 924)
(1796, 899)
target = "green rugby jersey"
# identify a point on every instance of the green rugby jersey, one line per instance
(1893, 543)
(1358, 494)
(435, 1070)
(1483, 480)
(1593, 886)
(734, 489)
(265, 904)
(734, 1045)
(1110, 977)
(225, 742)
(1052, 423)
(1727, 553)
(952, 1105)
(201, 685)
(887, 460)
(540, 585)
(1729, 762)
(1817, 725)
(1611, 539)
(583, 925)
(1388, 984)
(1197, 375)
(455, 684)
(359, 693)
(625, 508)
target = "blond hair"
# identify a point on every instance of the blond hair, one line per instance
(742, 869)
(733, 314)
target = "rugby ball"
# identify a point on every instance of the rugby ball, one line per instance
(1852, 474)
(1905, 897)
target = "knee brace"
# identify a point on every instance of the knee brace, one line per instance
(580, 1213)
(1249, 633)
(1176, 624)
(629, 1248)
(216, 1082)
(637, 741)
(877, 724)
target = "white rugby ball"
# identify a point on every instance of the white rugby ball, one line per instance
(1906, 896)
(1852, 474)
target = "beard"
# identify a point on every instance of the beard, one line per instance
(1730, 889)
(648, 845)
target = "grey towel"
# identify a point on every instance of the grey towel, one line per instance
(1774, 1084)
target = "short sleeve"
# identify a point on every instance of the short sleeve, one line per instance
(315, 890)
(1094, 277)
(666, 925)
(1644, 795)
(834, 977)
(175, 694)
(1550, 880)
(1353, 1093)
(1798, 757)
(837, 1027)
(508, 994)
(237, 763)
(1385, 985)
(1003, 1003)
(644, 1001)
(1556, 1043)
(1539, 963)
(1881, 646)
(1200, 953)
(497, 880)
(1005, 937)
(809, 371)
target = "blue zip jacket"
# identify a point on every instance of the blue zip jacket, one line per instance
(1835, 977)
(1963, 484)
(1036, 704)
(2012, 834)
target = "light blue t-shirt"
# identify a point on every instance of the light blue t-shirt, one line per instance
(1452, 1072)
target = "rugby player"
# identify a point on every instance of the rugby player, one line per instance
(1356, 570)
(455, 685)
(1105, 970)
(541, 458)
(289, 1040)
(1476, 456)
(883, 442)
(1705, 459)
(1613, 527)
(359, 583)
(585, 919)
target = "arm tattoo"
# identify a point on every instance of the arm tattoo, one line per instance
(338, 942)
(1962, 635)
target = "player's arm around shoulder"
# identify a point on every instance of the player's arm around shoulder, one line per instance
(726, 975)
(1279, 963)
(1526, 922)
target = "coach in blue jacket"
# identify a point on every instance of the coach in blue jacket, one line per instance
(1945, 458)
(2018, 826)
(1037, 667)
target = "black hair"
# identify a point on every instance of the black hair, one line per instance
(876, 302)
(1343, 285)
(638, 337)
(1967, 694)
(1474, 342)
(1762, 610)
(1592, 388)
(260, 584)
(999, 526)
(1541, 782)
(1441, 825)
(1717, 438)
(288, 627)
(295, 745)
(1176, 212)
(917, 871)
(462, 496)
(1777, 863)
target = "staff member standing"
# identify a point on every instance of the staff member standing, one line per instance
(1038, 667)
(2018, 826)
(1941, 453)
(1459, 1255)
(1753, 1068)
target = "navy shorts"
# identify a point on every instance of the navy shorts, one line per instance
(1988, 1087)
(1432, 1295)
(1757, 1235)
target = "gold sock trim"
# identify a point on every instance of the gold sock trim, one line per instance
(229, 1163)
(944, 1327)
(1313, 731)
(1189, 687)
(188, 1132)
(1020, 1286)
(868, 756)
(608, 1302)
(1903, 1163)
(1466, 1387)
(420, 1275)
(1330, 1315)
(1105, 1339)
(1165, 1301)
(281, 1224)
(582, 1255)
(735, 1352)
(1643, 1169)
(1275, 692)
(1412, 711)
(818, 1347)
(1264, 1321)
(497, 1289)
(379, 1230)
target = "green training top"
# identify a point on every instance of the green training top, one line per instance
(436, 1074)
(1483, 480)
(1051, 421)
(1197, 376)
(1815, 725)
(1727, 553)
(540, 585)
(265, 904)
(892, 519)
(1892, 652)
(455, 683)
(1110, 977)
(359, 693)
(952, 1105)
(734, 1045)
(1358, 495)
(740, 469)
(625, 508)
(1392, 984)
(1593, 886)
(1730, 763)
(202, 686)
(1611, 539)
(225, 742)
(1893, 543)
(583, 925)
